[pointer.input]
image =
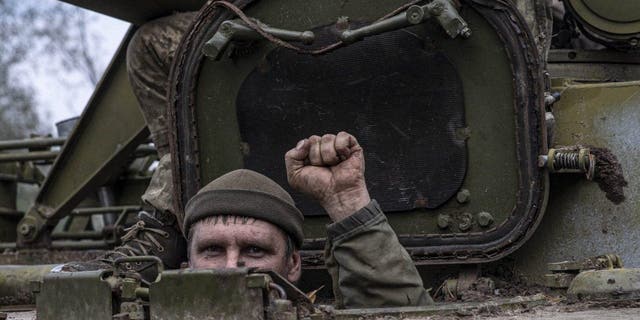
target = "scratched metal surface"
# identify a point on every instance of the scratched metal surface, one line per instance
(580, 222)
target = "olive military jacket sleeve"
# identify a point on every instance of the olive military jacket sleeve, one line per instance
(368, 265)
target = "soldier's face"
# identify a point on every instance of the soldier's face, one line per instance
(224, 242)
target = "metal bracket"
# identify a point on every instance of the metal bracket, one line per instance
(231, 30)
(99, 147)
(562, 273)
(443, 11)
(126, 261)
(30, 229)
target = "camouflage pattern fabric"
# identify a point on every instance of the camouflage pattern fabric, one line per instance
(159, 193)
(149, 57)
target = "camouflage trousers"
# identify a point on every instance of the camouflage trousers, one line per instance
(149, 57)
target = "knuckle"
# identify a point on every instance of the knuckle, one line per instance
(327, 137)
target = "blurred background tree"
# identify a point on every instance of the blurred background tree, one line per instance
(30, 30)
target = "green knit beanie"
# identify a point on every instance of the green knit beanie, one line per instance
(246, 193)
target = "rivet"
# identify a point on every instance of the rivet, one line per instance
(443, 221)
(466, 221)
(485, 219)
(25, 229)
(463, 196)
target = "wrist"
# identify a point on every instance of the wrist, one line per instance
(345, 203)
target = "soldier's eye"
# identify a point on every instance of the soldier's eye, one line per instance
(255, 251)
(212, 251)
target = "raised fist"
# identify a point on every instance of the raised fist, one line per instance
(330, 169)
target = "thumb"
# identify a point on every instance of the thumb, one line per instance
(294, 159)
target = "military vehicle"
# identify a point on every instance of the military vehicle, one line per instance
(500, 138)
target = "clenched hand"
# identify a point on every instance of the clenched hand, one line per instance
(331, 170)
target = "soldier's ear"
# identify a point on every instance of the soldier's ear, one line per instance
(294, 267)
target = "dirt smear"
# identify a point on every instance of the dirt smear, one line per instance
(608, 172)
(609, 175)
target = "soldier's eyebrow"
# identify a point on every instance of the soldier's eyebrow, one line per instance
(266, 241)
(205, 243)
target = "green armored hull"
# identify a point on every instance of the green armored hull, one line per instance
(499, 139)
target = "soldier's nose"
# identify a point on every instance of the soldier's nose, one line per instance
(233, 260)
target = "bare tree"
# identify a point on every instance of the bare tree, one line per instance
(30, 29)
(17, 114)
(68, 40)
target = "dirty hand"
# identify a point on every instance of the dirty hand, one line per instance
(331, 170)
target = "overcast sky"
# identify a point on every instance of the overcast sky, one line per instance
(61, 95)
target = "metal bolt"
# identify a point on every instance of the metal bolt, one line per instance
(465, 32)
(466, 221)
(443, 221)
(542, 161)
(415, 14)
(25, 229)
(463, 196)
(485, 219)
(634, 42)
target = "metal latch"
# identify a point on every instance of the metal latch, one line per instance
(238, 30)
(443, 11)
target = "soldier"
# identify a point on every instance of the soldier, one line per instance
(245, 217)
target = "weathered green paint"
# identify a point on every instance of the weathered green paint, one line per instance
(594, 66)
(606, 284)
(580, 222)
(109, 130)
(15, 283)
(74, 295)
(213, 294)
(28, 156)
(31, 143)
(110, 123)
(480, 60)
(205, 294)
(615, 17)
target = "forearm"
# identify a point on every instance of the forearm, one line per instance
(369, 266)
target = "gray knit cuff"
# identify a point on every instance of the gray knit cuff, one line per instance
(369, 215)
